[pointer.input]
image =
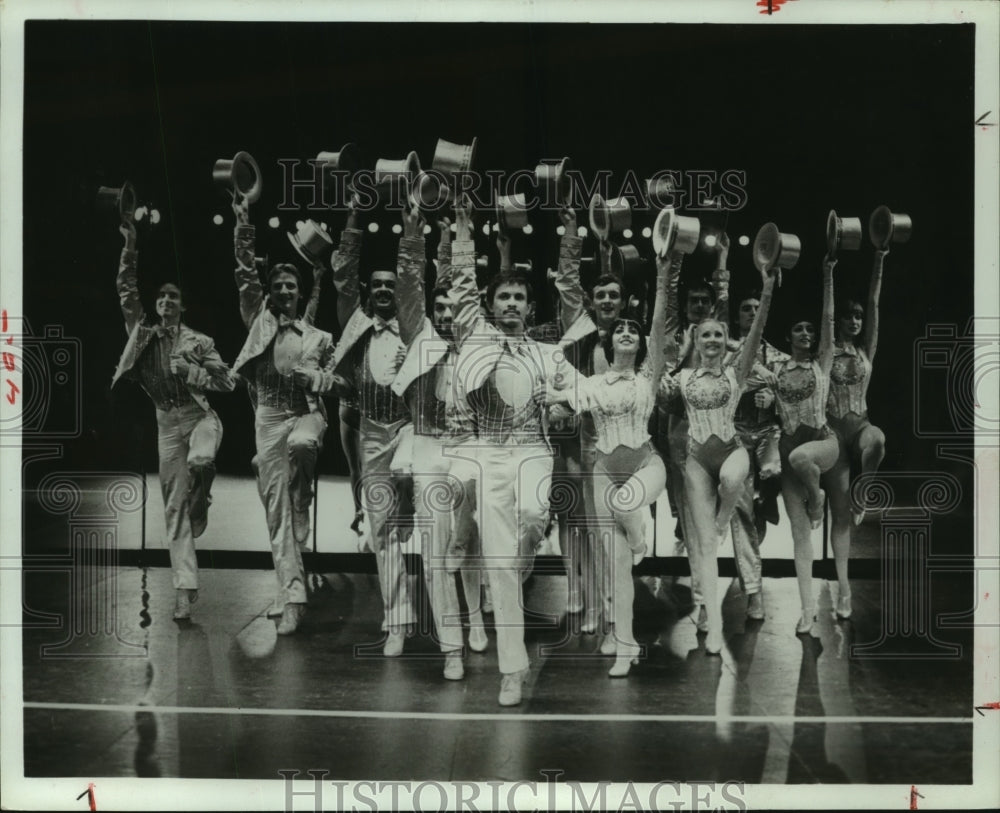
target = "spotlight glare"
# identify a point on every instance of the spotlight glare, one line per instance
(627, 234)
(217, 220)
(582, 231)
(454, 228)
(299, 224)
(496, 227)
(560, 230)
(373, 227)
(710, 240)
(139, 213)
(324, 227)
(647, 232)
(427, 228)
(744, 240)
(274, 222)
(527, 229)
(396, 228)
(154, 216)
(486, 229)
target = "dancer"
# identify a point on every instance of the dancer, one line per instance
(501, 377)
(808, 446)
(757, 426)
(717, 464)
(369, 354)
(862, 445)
(288, 365)
(175, 366)
(629, 474)
(443, 442)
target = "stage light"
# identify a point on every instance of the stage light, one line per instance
(710, 241)
(627, 234)
(454, 228)
(217, 220)
(274, 222)
(299, 224)
(154, 216)
(427, 228)
(744, 240)
(324, 227)
(560, 230)
(139, 214)
(527, 228)
(496, 227)
(582, 231)
(486, 229)
(373, 227)
(396, 228)
(647, 232)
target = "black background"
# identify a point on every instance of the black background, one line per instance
(818, 117)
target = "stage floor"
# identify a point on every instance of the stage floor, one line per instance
(223, 696)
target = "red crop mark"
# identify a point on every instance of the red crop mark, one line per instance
(91, 796)
(913, 797)
(770, 6)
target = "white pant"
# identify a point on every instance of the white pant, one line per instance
(188, 437)
(513, 513)
(379, 498)
(287, 448)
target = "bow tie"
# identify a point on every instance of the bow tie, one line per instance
(625, 375)
(285, 322)
(380, 324)
(162, 331)
(707, 371)
(792, 364)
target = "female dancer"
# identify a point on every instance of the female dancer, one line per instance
(808, 446)
(717, 464)
(861, 443)
(628, 474)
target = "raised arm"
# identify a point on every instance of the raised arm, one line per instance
(464, 290)
(748, 355)
(247, 280)
(568, 273)
(672, 309)
(410, 266)
(604, 249)
(309, 316)
(345, 261)
(658, 339)
(503, 244)
(442, 278)
(127, 282)
(826, 324)
(871, 318)
(720, 279)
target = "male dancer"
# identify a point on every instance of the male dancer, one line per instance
(175, 366)
(501, 377)
(369, 354)
(288, 365)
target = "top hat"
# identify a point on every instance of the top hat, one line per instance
(428, 191)
(625, 261)
(450, 158)
(556, 182)
(674, 232)
(122, 198)
(609, 216)
(661, 190)
(388, 170)
(842, 232)
(773, 249)
(311, 242)
(884, 227)
(241, 175)
(511, 211)
(347, 160)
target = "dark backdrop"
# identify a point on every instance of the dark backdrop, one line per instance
(818, 117)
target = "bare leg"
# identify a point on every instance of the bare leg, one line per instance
(794, 494)
(808, 462)
(701, 493)
(732, 481)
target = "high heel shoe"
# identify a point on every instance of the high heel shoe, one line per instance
(806, 622)
(609, 645)
(623, 663)
(844, 605)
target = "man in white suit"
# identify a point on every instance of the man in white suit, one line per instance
(288, 365)
(175, 366)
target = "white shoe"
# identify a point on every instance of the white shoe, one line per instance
(510, 688)
(806, 622)
(477, 638)
(276, 608)
(291, 618)
(182, 605)
(394, 643)
(844, 605)
(453, 668)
